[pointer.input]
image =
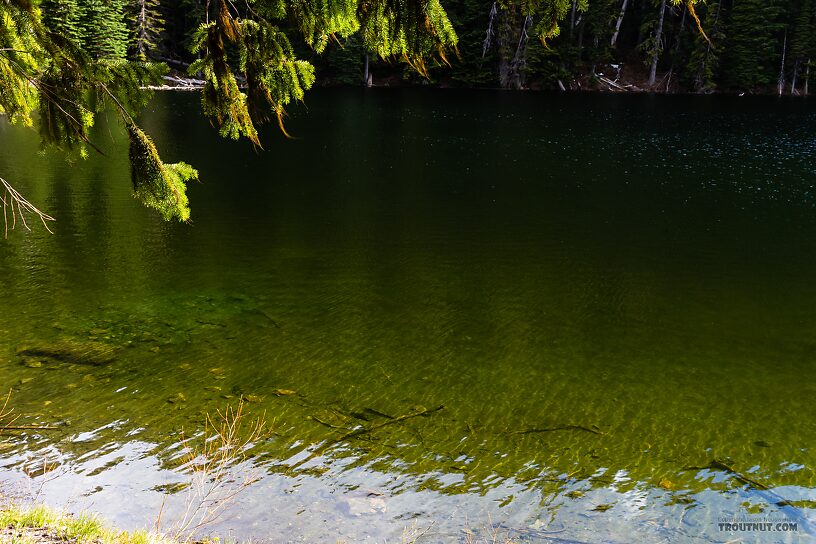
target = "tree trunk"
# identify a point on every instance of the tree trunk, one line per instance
(490, 32)
(141, 29)
(807, 75)
(644, 5)
(595, 41)
(676, 46)
(366, 74)
(793, 78)
(781, 84)
(680, 31)
(519, 62)
(581, 40)
(572, 18)
(657, 44)
(618, 24)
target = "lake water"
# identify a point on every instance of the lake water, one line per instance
(612, 298)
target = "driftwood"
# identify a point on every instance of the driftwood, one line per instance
(612, 84)
(371, 428)
(170, 88)
(176, 83)
(184, 81)
(358, 432)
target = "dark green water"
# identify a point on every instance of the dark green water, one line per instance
(641, 266)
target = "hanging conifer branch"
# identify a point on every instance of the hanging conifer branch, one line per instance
(69, 69)
(159, 186)
(275, 76)
(44, 70)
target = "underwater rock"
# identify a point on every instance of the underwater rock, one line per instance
(284, 392)
(68, 350)
(178, 397)
(370, 503)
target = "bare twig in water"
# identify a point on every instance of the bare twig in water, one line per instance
(19, 206)
(412, 535)
(6, 413)
(47, 470)
(28, 428)
(7, 424)
(223, 445)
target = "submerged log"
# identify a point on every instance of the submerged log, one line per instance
(73, 351)
(359, 431)
(763, 491)
(419, 411)
(593, 429)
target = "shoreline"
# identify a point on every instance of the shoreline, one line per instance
(612, 87)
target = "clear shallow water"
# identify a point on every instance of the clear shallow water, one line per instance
(639, 266)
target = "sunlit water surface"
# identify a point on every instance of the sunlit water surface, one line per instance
(611, 297)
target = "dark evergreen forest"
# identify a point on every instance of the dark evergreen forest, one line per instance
(731, 45)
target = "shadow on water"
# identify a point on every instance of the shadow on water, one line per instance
(610, 297)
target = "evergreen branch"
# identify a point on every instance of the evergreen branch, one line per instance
(125, 115)
(52, 100)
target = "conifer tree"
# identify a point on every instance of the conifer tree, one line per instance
(601, 17)
(147, 24)
(704, 59)
(62, 17)
(752, 43)
(103, 28)
(181, 19)
(802, 40)
(475, 65)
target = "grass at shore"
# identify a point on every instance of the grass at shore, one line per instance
(38, 524)
(41, 525)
